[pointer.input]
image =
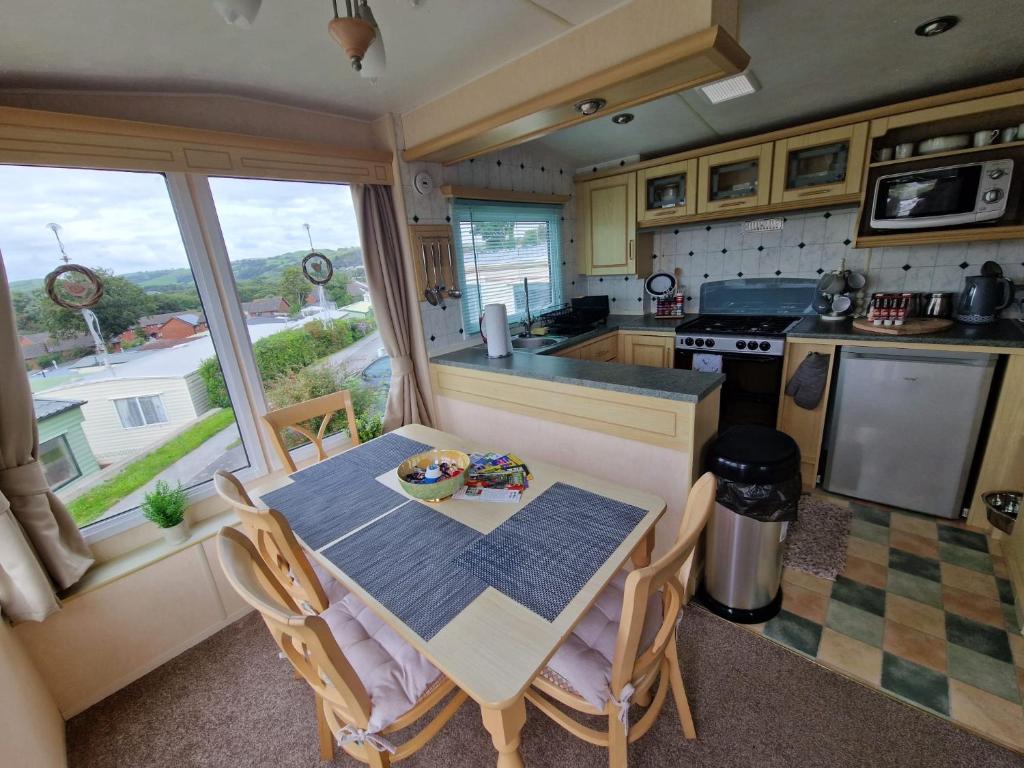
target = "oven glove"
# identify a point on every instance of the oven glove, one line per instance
(807, 384)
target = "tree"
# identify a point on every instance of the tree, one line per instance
(28, 311)
(122, 305)
(293, 287)
(497, 233)
(336, 292)
(175, 301)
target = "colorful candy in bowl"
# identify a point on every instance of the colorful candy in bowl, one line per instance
(433, 475)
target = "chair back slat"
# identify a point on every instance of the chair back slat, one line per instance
(629, 664)
(306, 641)
(276, 544)
(294, 418)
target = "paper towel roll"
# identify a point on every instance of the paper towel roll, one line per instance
(495, 328)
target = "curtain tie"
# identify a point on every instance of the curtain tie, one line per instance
(24, 480)
(622, 703)
(352, 735)
(401, 365)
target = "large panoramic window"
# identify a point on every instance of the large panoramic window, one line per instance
(124, 405)
(499, 244)
(308, 340)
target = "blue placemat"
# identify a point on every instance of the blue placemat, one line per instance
(321, 509)
(546, 552)
(371, 458)
(406, 562)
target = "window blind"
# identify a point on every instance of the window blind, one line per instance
(497, 245)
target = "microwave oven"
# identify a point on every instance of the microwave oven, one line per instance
(942, 197)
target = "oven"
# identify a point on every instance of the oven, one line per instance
(753, 384)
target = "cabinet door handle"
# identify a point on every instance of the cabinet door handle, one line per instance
(734, 203)
(630, 250)
(809, 192)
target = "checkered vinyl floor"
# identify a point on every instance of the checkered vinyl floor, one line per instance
(924, 612)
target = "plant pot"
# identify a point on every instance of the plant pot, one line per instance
(177, 534)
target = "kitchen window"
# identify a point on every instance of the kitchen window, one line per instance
(59, 465)
(142, 411)
(499, 244)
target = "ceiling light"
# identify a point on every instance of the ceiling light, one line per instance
(238, 13)
(733, 87)
(936, 26)
(353, 34)
(622, 118)
(589, 106)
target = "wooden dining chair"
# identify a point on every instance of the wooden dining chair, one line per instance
(309, 586)
(625, 644)
(368, 682)
(294, 418)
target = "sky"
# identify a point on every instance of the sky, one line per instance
(124, 222)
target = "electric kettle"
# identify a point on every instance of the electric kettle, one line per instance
(984, 295)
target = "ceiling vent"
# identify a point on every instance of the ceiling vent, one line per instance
(742, 84)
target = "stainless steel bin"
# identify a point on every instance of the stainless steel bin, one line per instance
(758, 472)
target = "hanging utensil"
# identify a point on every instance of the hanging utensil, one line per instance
(453, 292)
(428, 293)
(438, 273)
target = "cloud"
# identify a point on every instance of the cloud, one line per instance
(125, 222)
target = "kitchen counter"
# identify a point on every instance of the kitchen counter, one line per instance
(614, 323)
(664, 383)
(1002, 333)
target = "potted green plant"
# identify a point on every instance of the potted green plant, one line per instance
(165, 506)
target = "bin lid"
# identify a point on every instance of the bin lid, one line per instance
(754, 454)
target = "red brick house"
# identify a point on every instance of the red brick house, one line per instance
(173, 325)
(272, 306)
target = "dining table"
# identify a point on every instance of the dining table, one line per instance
(487, 591)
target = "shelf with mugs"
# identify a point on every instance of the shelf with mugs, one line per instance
(987, 148)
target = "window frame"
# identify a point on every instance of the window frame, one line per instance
(62, 438)
(552, 214)
(142, 414)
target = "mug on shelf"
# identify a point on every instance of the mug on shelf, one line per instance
(882, 154)
(984, 138)
(1008, 134)
(905, 150)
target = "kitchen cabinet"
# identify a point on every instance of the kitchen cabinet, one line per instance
(806, 427)
(653, 349)
(667, 193)
(735, 179)
(606, 223)
(820, 165)
(603, 350)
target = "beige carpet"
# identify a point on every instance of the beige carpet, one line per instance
(231, 702)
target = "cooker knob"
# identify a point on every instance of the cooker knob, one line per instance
(751, 345)
(992, 195)
(996, 173)
(709, 343)
(741, 344)
(688, 341)
(765, 346)
(699, 342)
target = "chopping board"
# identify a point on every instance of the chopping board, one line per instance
(911, 327)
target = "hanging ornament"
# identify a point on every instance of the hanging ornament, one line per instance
(72, 286)
(317, 268)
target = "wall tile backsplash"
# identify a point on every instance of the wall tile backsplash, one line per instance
(810, 243)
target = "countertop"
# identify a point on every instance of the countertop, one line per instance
(665, 383)
(638, 323)
(1002, 333)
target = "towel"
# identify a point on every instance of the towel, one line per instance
(807, 384)
(705, 362)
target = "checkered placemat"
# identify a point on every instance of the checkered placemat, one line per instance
(321, 509)
(371, 458)
(546, 552)
(406, 562)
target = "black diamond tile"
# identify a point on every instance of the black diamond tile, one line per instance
(600, 279)
(542, 169)
(820, 271)
(689, 298)
(461, 331)
(613, 299)
(847, 241)
(594, 169)
(760, 247)
(444, 307)
(705, 275)
(801, 245)
(560, 171)
(725, 250)
(622, 163)
(675, 231)
(522, 166)
(639, 298)
(563, 263)
(828, 215)
(905, 267)
(627, 279)
(778, 272)
(690, 253)
(471, 159)
(739, 274)
(964, 265)
(431, 337)
(499, 164)
(707, 228)
(448, 219)
(415, 218)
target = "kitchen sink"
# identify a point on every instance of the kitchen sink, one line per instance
(535, 343)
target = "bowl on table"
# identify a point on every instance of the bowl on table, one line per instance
(443, 487)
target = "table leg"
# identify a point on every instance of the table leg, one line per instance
(641, 554)
(504, 726)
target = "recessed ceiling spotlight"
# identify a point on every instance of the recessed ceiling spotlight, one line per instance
(238, 13)
(936, 26)
(733, 87)
(622, 118)
(589, 106)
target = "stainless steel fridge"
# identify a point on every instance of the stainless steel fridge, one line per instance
(904, 426)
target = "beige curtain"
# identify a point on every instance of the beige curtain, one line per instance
(396, 307)
(41, 549)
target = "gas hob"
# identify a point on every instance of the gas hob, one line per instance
(735, 334)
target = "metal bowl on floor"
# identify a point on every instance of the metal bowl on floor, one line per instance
(1003, 508)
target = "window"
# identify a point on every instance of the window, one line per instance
(141, 411)
(120, 435)
(499, 244)
(59, 465)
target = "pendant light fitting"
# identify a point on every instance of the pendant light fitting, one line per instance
(352, 33)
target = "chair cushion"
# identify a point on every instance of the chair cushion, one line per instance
(334, 589)
(394, 673)
(584, 660)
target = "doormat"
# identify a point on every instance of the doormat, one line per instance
(816, 542)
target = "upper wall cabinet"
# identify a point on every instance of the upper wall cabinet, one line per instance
(666, 193)
(738, 178)
(606, 222)
(820, 165)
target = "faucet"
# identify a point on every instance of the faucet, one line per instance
(528, 319)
